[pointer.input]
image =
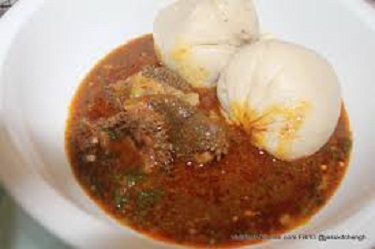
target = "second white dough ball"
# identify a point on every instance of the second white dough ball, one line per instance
(198, 37)
(286, 97)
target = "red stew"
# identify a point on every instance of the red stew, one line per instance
(222, 204)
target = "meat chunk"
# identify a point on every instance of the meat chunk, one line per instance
(203, 139)
(156, 111)
(145, 128)
(168, 77)
(151, 81)
(194, 136)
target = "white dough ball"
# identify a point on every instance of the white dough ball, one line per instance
(198, 37)
(285, 96)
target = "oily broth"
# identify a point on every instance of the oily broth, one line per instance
(247, 193)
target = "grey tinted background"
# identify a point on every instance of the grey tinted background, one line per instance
(19, 231)
(5, 5)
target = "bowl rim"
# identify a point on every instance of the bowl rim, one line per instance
(10, 25)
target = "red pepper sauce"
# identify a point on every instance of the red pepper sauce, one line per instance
(223, 204)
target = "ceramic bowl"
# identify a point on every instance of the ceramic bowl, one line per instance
(47, 47)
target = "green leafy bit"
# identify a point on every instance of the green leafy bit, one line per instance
(148, 198)
(113, 135)
(135, 177)
(131, 178)
(121, 199)
(346, 144)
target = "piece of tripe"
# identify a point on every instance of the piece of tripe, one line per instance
(286, 97)
(197, 38)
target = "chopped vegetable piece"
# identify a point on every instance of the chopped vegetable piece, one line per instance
(121, 199)
(135, 177)
(148, 198)
(346, 144)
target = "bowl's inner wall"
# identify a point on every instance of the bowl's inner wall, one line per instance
(60, 44)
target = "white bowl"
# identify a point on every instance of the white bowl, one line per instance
(47, 47)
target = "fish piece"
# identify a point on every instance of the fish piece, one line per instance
(193, 135)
